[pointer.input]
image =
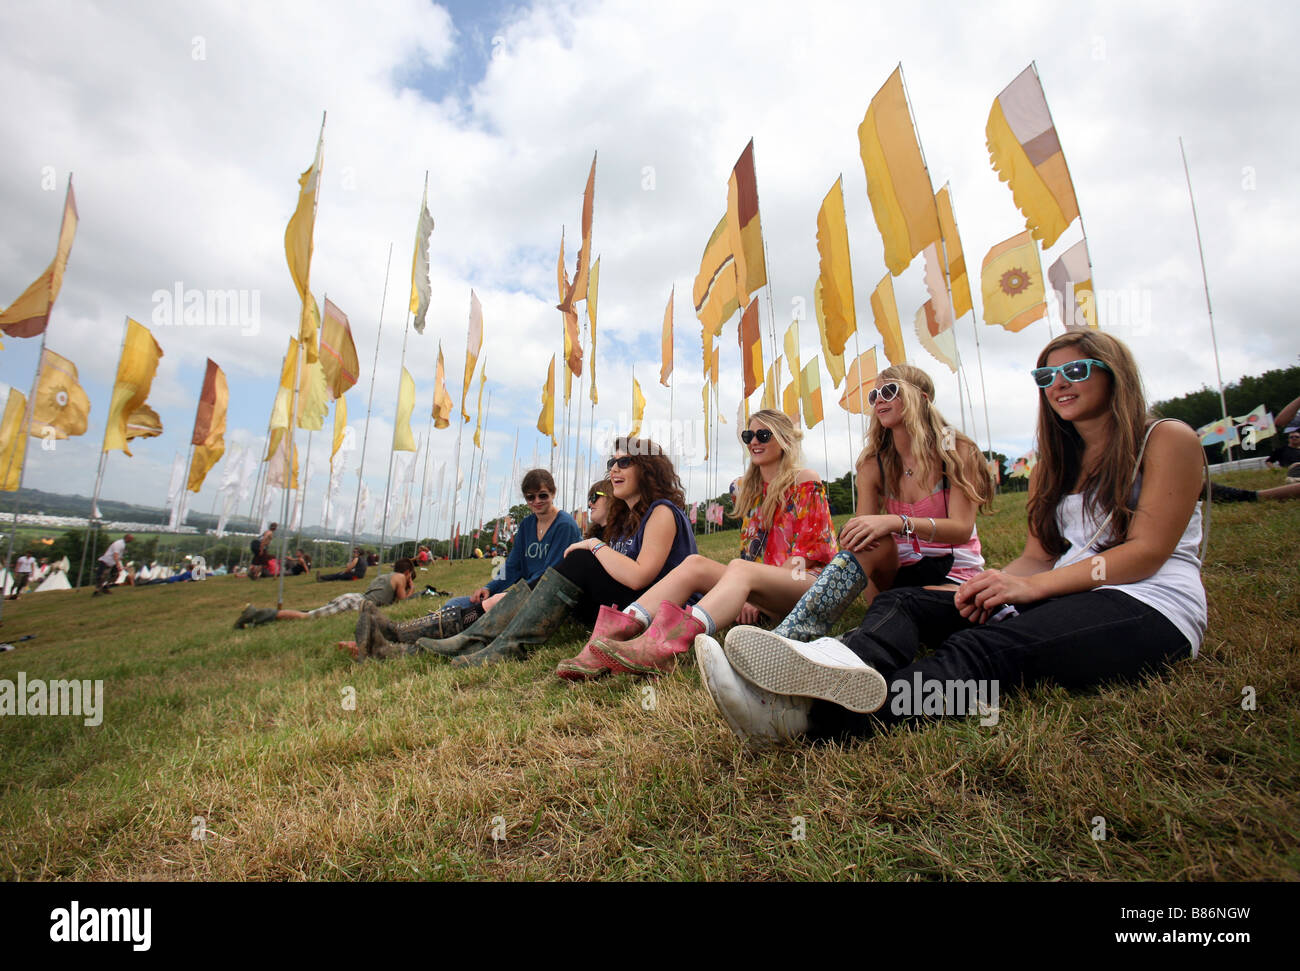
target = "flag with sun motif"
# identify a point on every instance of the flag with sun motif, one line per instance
(1012, 283)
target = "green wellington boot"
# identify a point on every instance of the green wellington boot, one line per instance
(255, 616)
(478, 634)
(549, 606)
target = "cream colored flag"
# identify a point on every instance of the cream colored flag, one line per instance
(473, 344)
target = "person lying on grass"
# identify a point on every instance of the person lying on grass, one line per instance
(385, 589)
(648, 534)
(1108, 587)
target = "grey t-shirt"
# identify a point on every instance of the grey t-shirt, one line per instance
(380, 592)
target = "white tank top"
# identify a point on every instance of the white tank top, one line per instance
(1175, 590)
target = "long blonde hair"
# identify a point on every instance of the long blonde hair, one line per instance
(935, 443)
(750, 487)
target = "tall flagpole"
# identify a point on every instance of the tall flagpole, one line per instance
(99, 475)
(1209, 310)
(392, 449)
(424, 476)
(365, 435)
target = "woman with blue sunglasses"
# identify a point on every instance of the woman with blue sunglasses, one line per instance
(1108, 587)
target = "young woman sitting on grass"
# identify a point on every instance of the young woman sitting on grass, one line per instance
(1108, 587)
(786, 539)
(600, 499)
(648, 535)
(385, 589)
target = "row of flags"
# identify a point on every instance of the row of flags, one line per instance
(1246, 431)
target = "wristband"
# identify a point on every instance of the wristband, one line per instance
(598, 545)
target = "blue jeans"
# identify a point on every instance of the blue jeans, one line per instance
(461, 602)
(1077, 641)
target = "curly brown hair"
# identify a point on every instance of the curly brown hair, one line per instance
(659, 480)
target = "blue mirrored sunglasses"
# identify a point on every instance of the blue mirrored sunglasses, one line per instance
(1072, 371)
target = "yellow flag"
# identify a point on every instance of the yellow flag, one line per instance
(897, 181)
(338, 352)
(473, 344)
(860, 377)
(811, 385)
(638, 408)
(280, 411)
(666, 341)
(704, 395)
(340, 424)
(957, 276)
(835, 271)
(790, 401)
(772, 385)
(885, 311)
(298, 247)
(792, 350)
(135, 373)
(443, 406)
(478, 425)
(716, 292)
(568, 350)
(1026, 154)
(1012, 284)
(546, 420)
(143, 423)
(61, 408)
(403, 440)
(13, 443)
(578, 290)
(30, 313)
(834, 362)
(751, 348)
(209, 438)
(591, 318)
(313, 397)
(421, 290)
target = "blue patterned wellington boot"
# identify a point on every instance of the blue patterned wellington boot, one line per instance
(829, 596)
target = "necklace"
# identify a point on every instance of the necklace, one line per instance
(908, 471)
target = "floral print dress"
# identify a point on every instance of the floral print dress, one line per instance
(801, 527)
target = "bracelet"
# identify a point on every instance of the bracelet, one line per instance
(908, 528)
(599, 545)
(933, 528)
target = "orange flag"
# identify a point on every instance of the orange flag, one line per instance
(885, 311)
(338, 352)
(578, 290)
(715, 288)
(572, 340)
(666, 341)
(835, 273)
(209, 438)
(958, 279)
(860, 377)
(30, 313)
(443, 406)
(744, 226)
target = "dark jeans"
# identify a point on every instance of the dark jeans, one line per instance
(582, 567)
(1078, 641)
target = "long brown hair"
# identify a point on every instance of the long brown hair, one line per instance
(658, 480)
(935, 443)
(1060, 447)
(750, 487)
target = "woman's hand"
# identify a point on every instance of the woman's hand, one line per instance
(585, 544)
(749, 614)
(865, 532)
(986, 593)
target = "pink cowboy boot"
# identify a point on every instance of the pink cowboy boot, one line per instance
(672, 632)
(611, 625)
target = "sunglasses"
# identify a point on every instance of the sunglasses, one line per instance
(594, 497)
(1072, 371)
(887, 392)
(764, 436)
(623, 462)
(539, 496)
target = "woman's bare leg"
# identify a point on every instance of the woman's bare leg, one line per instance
(693, 575)
(772, 589)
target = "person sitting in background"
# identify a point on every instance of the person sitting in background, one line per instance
(1287, 456)
(540, 543)
(385, 589)
(354, 570)
(298, 564)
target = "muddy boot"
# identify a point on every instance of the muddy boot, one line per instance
(244, 619)
(541, 616)
(484, 630)
(256, 616)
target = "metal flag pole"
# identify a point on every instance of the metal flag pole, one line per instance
(1209, 310)
(365, 435)
(392, 449)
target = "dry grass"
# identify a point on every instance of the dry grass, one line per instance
(624, 780)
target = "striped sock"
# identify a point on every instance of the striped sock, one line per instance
(639, 612)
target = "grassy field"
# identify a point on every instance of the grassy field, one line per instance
(248, 739)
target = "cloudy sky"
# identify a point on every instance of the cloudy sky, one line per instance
(186, 127)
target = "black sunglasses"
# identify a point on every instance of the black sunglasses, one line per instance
(594, 497)
(541, 496)
(764, 435)
(623, 462)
